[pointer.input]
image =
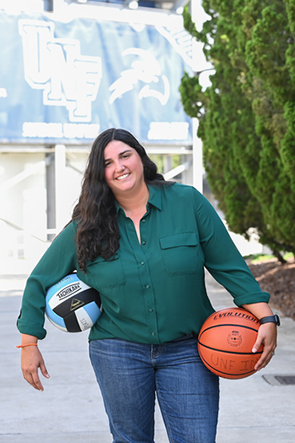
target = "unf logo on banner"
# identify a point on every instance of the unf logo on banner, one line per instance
(56, 65)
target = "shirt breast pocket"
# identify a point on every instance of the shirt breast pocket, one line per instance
(180, 253)
(105, 274)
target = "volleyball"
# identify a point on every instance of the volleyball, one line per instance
(226, 340)
(71, 305)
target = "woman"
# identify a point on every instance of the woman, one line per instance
(143, 244)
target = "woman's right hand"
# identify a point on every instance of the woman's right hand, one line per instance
(31, 361)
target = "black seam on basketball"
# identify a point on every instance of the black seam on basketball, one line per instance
(229, 324)
(229, 352)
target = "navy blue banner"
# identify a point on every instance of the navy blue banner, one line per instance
(66, 82)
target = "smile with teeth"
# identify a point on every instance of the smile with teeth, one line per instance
(123, 176)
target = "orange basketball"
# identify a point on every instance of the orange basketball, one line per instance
(226, 340)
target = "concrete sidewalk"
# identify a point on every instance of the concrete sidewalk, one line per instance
(70, 410)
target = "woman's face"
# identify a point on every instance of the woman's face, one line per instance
(123, 168)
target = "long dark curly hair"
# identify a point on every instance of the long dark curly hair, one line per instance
(95, 212)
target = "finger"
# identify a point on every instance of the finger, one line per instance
(262, 362)
(256, 345)
(33, 380)
(44, 370)
(37, 382)
(265, 358)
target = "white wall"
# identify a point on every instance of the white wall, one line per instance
(23, 202)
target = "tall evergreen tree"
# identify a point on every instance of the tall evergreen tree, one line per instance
(246, 117)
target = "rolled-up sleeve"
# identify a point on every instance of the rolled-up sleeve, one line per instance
(222, 258)
(58, 261)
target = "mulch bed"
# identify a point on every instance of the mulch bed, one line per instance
(279, 280)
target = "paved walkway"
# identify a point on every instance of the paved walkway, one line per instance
(70, 409)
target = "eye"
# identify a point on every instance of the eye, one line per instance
(106, 164)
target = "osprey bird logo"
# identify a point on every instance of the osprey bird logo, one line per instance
(145, 69)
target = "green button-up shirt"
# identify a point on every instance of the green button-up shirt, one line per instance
(154, 290)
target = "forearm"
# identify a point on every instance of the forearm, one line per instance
(26, 339)
(260, 310)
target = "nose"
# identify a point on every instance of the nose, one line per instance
(119, 165)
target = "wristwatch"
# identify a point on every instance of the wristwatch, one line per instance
(271, 319)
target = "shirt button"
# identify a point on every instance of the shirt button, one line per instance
(143, 242)
(143, 221)
(153, 333)
(142, 263)
(150, 310)
(147, 286)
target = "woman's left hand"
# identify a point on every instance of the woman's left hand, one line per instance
(267, 336)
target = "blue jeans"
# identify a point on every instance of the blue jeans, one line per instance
(129, 374)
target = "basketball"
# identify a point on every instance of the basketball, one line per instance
(71, 305)
(226, 340)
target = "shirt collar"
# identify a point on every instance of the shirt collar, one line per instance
(155, 198)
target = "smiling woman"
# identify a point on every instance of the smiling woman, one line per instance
(125, 177)
(124, 172)
(143, 244)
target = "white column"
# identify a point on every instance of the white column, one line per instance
(197, 143)
(197, 158)
(60, 187)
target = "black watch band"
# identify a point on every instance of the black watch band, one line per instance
(271, 319)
